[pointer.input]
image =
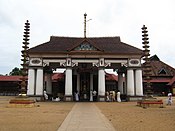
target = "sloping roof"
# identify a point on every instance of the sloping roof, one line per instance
(112, 77)
(10, 78)
(105, 44)
(157, 66)
(172, 81)
(157, 80)
(57, 76)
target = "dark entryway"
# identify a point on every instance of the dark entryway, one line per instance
(85, 86)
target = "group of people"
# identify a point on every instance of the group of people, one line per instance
(110, 96)
(93, 95)
(113, 96)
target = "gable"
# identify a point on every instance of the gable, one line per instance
(85, 46)
(154, 58)
(159, 68)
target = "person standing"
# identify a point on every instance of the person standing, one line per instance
(91, 95)
(95, 95)
(170, 99)
(76, 96)
(45, 95)
(118, 96)
(113, 95)
(107, 96)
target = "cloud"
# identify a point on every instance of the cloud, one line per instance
(122, 18)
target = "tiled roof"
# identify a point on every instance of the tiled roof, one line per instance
(57, 76)
(172, 81)
(157, 66)
(104, 44)
(162, 80)
(10, 78)
(112, 77)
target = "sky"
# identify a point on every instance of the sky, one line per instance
(123, 18)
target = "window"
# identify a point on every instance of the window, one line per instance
(163, 71)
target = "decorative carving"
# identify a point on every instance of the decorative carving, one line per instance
(134, 62)
(68, 63)
(101, 63)
(35, 62)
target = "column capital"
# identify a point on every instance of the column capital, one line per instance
(68, 63)
(102, 63)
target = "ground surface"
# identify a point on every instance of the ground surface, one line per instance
(47, 117)
(125, 116)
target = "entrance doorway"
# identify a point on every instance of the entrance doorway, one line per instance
(84, 86)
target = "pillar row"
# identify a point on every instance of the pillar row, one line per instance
(130, 82)
(134, 82)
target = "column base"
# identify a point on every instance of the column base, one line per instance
(68, 98)
(101, 98)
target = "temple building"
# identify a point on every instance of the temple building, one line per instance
(85, 60)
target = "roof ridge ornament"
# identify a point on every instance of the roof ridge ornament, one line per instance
(85, 25)
(85, 21)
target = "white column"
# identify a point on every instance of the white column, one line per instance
(78, 83)
(120, 82)
(31, 82)
(68, 84)
(125, 84)
(49, 83)
(91, 87)
(39, 81)
(138, 84)
(130, 82)
(101, 84)
(91, 82)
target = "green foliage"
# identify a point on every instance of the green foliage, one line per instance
(15, 72)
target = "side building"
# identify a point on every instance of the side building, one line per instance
(162, 80)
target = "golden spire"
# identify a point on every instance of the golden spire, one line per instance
(85, 25)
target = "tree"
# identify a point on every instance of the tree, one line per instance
(15, 72)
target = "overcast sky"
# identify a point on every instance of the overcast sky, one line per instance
(122, 18)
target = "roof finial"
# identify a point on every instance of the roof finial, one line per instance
(85, 25)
